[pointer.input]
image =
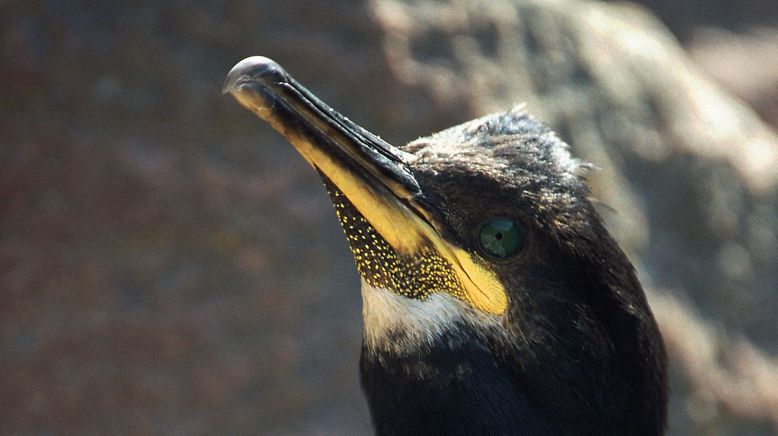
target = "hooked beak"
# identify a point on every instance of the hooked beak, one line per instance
(368, 170)
(371, 173)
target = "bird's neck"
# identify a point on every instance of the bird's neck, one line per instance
(454, 387)
(424, 373)
(429, 367)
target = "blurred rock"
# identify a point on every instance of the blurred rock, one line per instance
(169, 265)
(745, 64)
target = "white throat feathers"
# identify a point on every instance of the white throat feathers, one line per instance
(399, 325)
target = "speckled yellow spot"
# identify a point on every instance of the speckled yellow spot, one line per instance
(414, 275)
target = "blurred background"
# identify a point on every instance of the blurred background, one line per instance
(168, 265)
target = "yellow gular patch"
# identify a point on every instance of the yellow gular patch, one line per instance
(421, 272)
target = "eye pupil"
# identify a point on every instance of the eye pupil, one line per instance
(501, 237)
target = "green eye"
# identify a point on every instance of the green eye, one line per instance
(501, 237)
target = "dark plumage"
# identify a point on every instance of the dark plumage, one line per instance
(555, 339)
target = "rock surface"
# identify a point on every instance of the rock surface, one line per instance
(168, 264)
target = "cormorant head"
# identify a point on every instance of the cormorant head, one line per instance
(483, 234)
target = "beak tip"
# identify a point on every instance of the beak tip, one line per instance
(256, 68)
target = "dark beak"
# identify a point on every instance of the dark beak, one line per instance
(371, 173)
(314, 128)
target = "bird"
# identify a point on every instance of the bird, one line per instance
(494, 300)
